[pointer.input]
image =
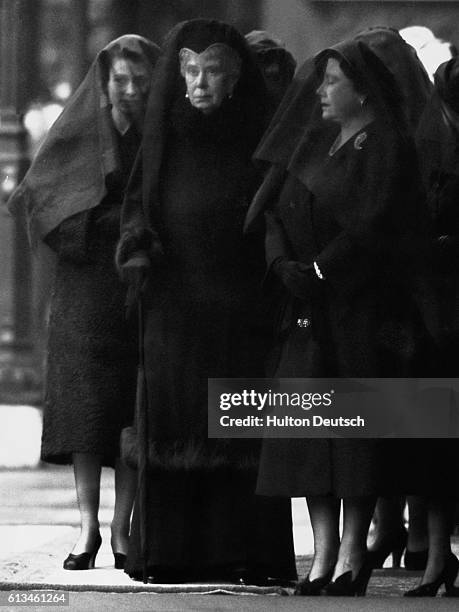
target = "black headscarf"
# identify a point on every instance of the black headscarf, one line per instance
(402, 61)
(267, 49)
(446, 79)
(437, 136)
(276, 63)
(294, 113)
(298, 139)
(68, 173)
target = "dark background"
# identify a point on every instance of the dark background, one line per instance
(45, 43)
(70, 32)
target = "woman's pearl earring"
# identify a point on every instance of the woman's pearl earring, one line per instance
(186, 95)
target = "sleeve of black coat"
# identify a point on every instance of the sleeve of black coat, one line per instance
(384, 189)
(136, 233)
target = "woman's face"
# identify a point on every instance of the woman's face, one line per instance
(208, 82)
(128, 86)
(338, 97)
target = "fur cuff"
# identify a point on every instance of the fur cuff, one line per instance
(192, 454)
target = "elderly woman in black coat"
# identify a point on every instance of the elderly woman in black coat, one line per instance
(183, 213)
(341, 208)
(71, 198)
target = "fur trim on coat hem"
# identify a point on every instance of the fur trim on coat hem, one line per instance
(192, 454)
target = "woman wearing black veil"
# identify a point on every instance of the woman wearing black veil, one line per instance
(341, 210)
(184, 210)
(431, 466)
(389, 536)
(71, 199)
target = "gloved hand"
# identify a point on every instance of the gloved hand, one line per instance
(142, 248)
(134, 272)
(299, 278)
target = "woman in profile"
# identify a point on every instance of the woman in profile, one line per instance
(71, 198)
(341, 208)
(184, 210)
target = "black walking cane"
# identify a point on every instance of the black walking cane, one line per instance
(142, 440)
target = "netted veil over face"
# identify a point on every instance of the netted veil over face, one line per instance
(68, 173)
(192, 39)
(225, 56)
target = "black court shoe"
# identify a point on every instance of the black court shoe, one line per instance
(446, 577)
(451, 592)
(344, 586)
(313, 587)
(251, 578)
(394, 546)
(164, 576)
(84, 561)
(120, 560)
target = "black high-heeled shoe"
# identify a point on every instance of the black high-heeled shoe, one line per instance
(85, 560)
(313, 587)
(446, 577)
(394, 545)
(416, 560)
(120, 560)
(344, 586)
(451, 592)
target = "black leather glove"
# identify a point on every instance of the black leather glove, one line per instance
(299, 278)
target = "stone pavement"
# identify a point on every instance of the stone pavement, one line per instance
(148, 602)
(39, 524)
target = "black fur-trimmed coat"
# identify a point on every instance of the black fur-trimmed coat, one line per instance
(203, 297)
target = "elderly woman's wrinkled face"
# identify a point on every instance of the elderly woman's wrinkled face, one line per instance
(128, 86)
(339, 99)
(209, 79)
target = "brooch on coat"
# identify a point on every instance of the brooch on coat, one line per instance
(359, 140)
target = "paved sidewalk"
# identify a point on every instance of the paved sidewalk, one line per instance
(39, 524)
